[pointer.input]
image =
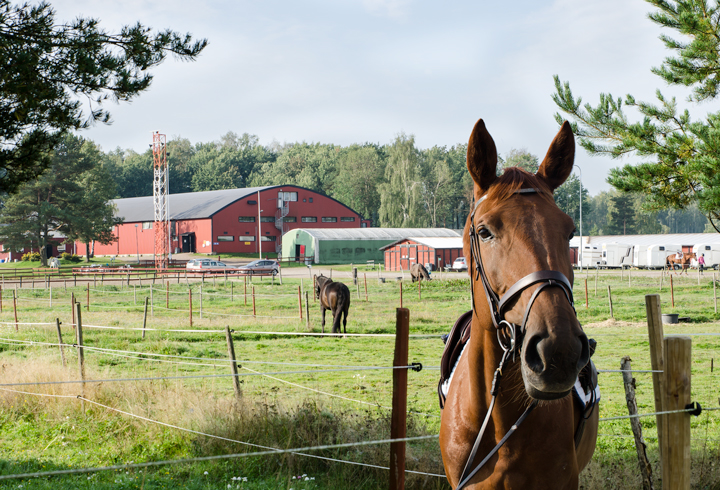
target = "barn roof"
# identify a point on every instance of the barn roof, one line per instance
(187, 205)
(661, 239)
(441, 242)
(376, 233)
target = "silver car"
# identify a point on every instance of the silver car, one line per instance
(261, 266)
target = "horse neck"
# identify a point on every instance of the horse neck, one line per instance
(484, 358)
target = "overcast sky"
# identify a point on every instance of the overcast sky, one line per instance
(354, 71)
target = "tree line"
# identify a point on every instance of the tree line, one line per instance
(394, 185)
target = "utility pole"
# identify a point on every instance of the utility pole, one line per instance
(160, 200)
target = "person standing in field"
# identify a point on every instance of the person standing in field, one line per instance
(701, 263)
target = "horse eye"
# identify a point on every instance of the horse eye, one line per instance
(484, 234)
(572, 235)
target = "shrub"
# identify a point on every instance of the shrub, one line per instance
(31, 256)
(70, 257)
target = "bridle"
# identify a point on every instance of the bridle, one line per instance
(509, 334)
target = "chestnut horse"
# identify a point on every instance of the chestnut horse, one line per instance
(333, 296)
(526, 347)
(683, 262)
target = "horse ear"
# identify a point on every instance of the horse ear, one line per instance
(481, 158)
(557, 165)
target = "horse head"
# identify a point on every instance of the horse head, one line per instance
(521, 247)
(320, 282)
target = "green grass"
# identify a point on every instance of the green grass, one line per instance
(278, 414)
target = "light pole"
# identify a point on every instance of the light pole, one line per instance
(581, 233)
(137, 246)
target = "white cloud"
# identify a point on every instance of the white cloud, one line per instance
(395, 9)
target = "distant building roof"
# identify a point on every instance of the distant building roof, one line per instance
(441, 242)
(188, 205)
(376, 233)
(662, 239)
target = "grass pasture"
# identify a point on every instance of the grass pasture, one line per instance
(283, 408)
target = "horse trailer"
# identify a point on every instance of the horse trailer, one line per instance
(590, 256)
(640, 256)
(616, 255)
(712, 254)
(657, 255)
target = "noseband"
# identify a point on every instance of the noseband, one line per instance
(509, 334)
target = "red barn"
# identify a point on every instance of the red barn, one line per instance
(424, 250)
(226, 221)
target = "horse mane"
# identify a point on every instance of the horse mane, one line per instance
(514, 179)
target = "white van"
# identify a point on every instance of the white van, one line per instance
(712, 254)
(591, 256)
(616, 255)
(657, 255)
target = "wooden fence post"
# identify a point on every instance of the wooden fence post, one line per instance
(398, 424)
(597, 271)
(672, 292)
(307, 310)
(15, 310)
(610, 302)
(640, 446)
(145, 318)
(676, 442)
(72, 307)
(300, 302)
(81, 351)
(657, 363)
(233, 364)
(62, 351)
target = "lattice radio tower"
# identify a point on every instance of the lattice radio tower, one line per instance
(160, 200)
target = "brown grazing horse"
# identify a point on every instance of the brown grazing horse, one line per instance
(418, 272)
(525, 339)
(683, 262)
(333, 296)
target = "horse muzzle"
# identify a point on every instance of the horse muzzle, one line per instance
(550, 366)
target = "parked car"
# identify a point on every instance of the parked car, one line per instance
(199, 264)
(459, 264)
(262, 266)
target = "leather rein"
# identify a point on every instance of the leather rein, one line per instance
(509, 334)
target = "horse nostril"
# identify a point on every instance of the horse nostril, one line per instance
(585, 351)
(532, 355)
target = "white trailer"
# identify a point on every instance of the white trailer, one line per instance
(590, 256)
(712, 254)
(657, 255)
(616, 255)
(640, 256)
